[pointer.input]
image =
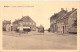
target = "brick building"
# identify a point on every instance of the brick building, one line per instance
(64, 22)
(24, 23)
(6, 25)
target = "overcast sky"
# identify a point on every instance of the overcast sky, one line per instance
(40, 12)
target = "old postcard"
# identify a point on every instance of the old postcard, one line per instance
(50, 26)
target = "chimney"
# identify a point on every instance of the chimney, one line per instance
(62, 9)
(73, 9)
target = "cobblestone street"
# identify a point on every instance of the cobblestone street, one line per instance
(35, 40)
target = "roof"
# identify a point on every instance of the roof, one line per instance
(25, 19)
(16, 21)
(53, 16)
(6, 22)
(40, 26)
(59, 14)
(68, 14)
(62, 14)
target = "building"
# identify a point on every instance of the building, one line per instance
(23, 24)
(6, 25)
(54, 18)
(64, 22)
(41, 29)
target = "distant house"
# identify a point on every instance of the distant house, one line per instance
(6, 25)
(24, 23)
(41, 29)
(64, 22)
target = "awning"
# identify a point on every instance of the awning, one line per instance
(26, 27)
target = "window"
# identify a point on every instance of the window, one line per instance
(33, 23)
(20, 23)
(23, 22)
(27, 23)
(33, 28)
(30, 23)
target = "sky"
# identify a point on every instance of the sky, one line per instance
(39, 0)
(40, 12)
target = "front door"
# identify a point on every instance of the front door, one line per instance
(63, 29)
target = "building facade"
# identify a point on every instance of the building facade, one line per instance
(6, 25)
(24, 23)
(64, 22)
(41, 29)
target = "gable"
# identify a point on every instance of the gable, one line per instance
(27, 19)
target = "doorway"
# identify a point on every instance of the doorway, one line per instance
(63, 29)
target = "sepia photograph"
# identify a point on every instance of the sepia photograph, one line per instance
(39, 25)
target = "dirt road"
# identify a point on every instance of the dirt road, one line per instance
(35, 40)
